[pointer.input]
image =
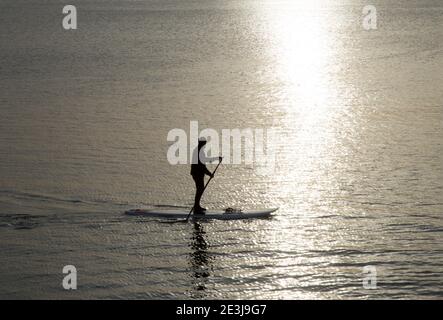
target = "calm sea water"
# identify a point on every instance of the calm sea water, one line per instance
(84, 120)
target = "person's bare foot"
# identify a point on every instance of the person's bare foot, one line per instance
(199, 210)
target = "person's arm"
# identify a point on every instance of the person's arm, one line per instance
(205, 159)
(212, 159)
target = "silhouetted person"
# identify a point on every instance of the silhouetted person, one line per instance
(198, 172)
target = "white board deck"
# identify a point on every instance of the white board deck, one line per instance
(210, 214)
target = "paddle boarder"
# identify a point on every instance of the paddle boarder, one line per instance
(198, 172)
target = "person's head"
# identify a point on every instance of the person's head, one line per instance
(201, 142)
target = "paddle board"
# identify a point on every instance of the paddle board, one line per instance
(210, 214)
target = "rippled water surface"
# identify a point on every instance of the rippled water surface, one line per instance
(358, 176)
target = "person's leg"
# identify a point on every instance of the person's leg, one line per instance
(199, 186)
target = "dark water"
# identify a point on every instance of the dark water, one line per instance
(84, 120)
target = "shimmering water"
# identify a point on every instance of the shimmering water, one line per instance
(84, 120)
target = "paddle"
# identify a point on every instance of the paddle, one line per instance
(192, 209)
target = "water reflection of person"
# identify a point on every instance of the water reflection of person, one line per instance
(200, 259)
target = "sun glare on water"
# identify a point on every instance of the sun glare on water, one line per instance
(304, 54)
